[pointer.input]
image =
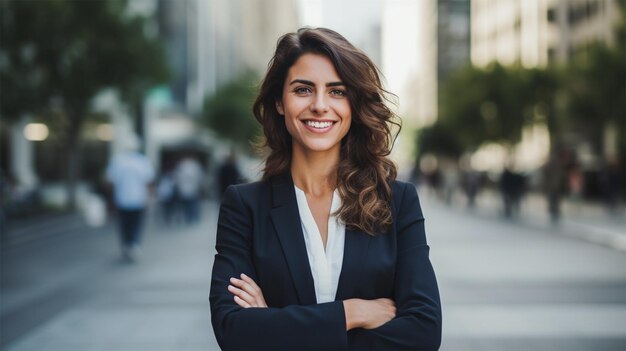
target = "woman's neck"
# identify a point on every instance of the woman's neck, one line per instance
(315, 172)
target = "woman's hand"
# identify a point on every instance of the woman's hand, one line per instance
(368, 314)
(247, 293)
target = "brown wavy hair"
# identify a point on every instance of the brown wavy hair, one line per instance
(364, 173)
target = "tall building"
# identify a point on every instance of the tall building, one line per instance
(410, 58)
(453, 36)
(509, 31)
(262, 23)
(537, 32)
(575, 24)
(363, 28)
(211, 42)
(177, 28)
(409, 63)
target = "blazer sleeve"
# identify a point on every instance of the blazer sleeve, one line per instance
(417, 325)
(319, 326)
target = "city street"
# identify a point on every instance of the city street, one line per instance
(504, 286)
(514, 286)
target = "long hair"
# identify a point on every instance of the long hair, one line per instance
(364, 173)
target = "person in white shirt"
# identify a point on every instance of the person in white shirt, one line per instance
(189, 180)
(130, 173)
(328, 250)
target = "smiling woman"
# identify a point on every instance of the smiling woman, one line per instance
(328, 251)
(315, 107)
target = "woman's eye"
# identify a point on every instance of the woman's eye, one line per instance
(337, 92)
(302, 90)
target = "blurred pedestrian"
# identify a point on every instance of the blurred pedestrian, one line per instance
(613, 183)
(229, 173)
(328, 250)
(167, 197)
(553, 182)
(189, 180)
(5, 194)
(416, 176)
(130, 173)
(450, 177)
(512, 187)
(575, 186)
(472, 183)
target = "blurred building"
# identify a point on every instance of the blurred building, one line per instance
(364, 32)
(208, 43)
(410, 58)
(262, 22)
(537, 32)
(509, 31)
(575, 24)
(410, 69)
(453, 36)
(211, 42)
(424, 42)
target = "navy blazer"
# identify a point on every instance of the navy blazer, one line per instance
(259, 233)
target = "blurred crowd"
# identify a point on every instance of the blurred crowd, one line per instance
(562, 180)
(129, 188)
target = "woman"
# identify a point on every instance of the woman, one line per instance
(328, 251)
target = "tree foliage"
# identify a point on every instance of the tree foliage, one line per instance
(495, 103)
(229, 111)
(596, 91)
(479, 105)
(439, 139)
(66, 51)
(60, 53)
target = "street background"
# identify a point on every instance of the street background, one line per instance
(504, 285)
(513, 129)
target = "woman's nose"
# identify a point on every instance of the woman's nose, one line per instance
(319, 104)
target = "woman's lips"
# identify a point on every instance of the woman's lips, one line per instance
(318, 126)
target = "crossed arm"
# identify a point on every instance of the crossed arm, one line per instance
(359, 313)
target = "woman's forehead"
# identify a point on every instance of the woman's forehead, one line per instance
(313, 67)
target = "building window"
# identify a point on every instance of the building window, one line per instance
(551, 15)
(551, 55)
(582, 12)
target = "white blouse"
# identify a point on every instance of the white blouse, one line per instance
(325, 264)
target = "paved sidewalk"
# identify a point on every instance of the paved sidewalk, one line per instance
(159, 303)
(587, 221)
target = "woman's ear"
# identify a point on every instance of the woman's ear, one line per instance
(279, 107)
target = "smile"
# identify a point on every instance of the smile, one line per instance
(318, 124)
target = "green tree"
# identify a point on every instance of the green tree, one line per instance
(480, 105)
(229, 111)
(596, 92)
(440, 140)
(61, 53)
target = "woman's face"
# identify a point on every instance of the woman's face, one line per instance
(315, 105)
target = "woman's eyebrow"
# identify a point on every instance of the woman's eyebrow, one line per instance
(308, 82)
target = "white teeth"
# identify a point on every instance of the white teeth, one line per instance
(319, 125)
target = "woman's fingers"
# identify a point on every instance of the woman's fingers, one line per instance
(248, 291)
(389, 302)
(245, 286)
(249, 280)
(242, 295)
(241, 302)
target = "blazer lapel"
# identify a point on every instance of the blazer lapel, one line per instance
(286, 220)
(354, 254)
